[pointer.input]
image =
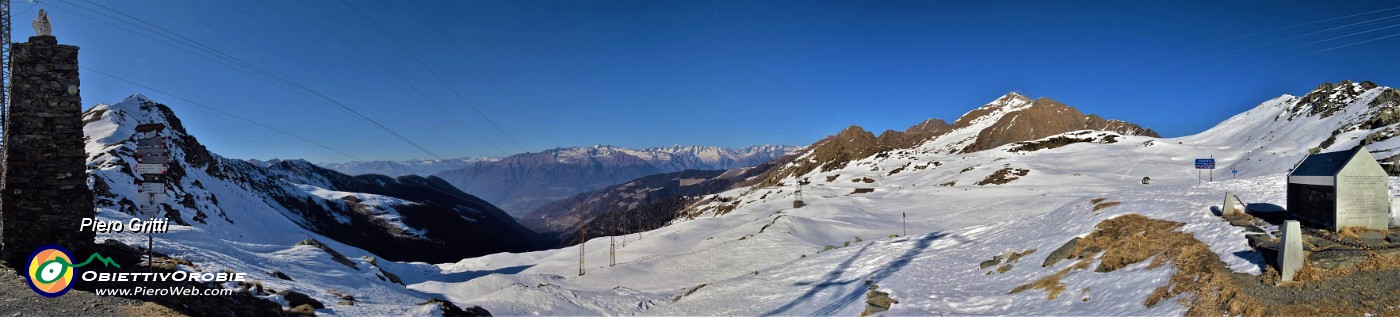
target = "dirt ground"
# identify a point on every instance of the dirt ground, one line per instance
(16, 299)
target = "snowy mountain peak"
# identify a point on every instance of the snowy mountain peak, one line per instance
(993, 110)
(1328, 98)
(137, 97)
(1011, 97)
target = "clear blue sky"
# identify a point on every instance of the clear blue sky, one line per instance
(730, 73)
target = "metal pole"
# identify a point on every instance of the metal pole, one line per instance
(150, 239)
(904, 220)
(612, 240)
(581, 243)
(4, 65)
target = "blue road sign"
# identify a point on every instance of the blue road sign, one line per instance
(1205, 164)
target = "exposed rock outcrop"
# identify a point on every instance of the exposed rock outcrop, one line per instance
(1043, 118)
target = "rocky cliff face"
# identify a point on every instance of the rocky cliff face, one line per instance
(832, 153)
(1042, 118)
(914, 135)
(524, 182)
(407, 218)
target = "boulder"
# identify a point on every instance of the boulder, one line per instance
(450, 310)
(1372, 238)
(302, 310)
(1063, 252)
(295, 299)
(877, 301)
(990, 263)
(1258, 240)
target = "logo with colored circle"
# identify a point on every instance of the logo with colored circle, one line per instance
(51, 271)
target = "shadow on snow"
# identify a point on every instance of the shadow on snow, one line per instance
(832, 279)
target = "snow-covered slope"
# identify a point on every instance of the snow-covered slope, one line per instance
(748, 252)
(233, 214)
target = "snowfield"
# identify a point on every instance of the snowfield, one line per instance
(766, 258)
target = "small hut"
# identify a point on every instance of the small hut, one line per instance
(1340, 189)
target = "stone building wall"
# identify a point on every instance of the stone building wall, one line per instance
(44, 193)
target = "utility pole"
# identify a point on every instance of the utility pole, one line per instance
(798, 203)
(612, 238)
(581, 238)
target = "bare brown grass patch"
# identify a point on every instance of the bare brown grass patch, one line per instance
(1203, 284)
(1133, 238)
(1098, 207)
(148, 309)
(1355, 232)
(1051, 284)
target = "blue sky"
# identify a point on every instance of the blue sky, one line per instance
(730, 73)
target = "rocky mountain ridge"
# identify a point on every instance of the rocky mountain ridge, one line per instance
(404, 218)
(1009, 119)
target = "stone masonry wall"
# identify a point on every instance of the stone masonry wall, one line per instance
(44, 193)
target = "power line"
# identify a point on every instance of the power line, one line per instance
(217, 110)
(435, 74)
(1276, 30)
(31, 7)
(294, 86)
(419, 93)
(1292, 37)
(1354, 43)
(1335, 38)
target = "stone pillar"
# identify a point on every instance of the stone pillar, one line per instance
(44, 193)
(1228, 208)
(1290, 250)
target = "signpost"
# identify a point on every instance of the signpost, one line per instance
(1205, 164)
(151, 159)
(152, 188)
(147, 169)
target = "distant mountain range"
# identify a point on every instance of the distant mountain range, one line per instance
(652, 201)
(522, 183)
(401, 168)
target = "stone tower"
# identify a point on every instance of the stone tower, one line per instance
(43, 192)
